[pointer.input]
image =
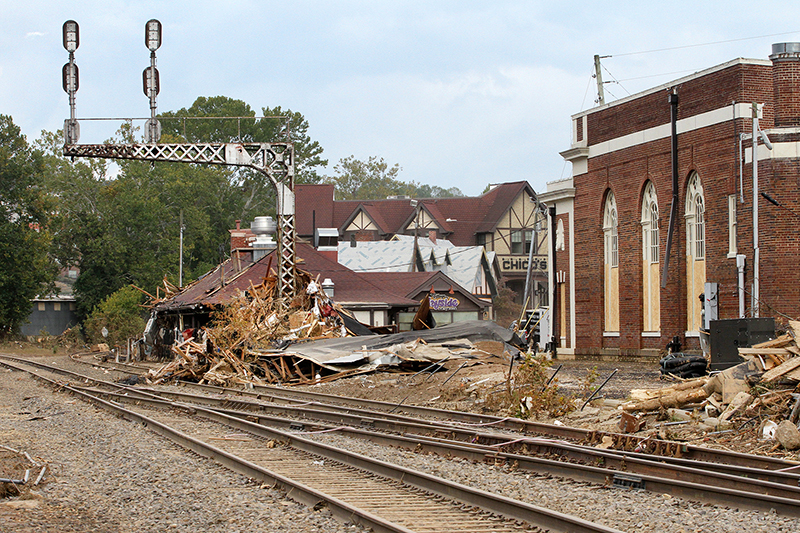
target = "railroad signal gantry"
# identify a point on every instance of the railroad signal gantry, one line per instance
(274, 160)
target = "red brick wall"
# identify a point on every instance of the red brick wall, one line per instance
(241, 238)
(786, 89)
(713, 153)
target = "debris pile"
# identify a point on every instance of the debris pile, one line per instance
(758, 399)
(230, 349)
(20, 473)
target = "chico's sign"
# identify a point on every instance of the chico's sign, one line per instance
(519, 264)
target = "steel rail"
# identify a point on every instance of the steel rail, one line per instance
(667, 450)
(728, 476)
(653, 447)
(723, 461)
(640, 472)
(492, 503)
(597, 466)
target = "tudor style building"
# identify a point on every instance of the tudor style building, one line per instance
(626, 285)
(507, 221)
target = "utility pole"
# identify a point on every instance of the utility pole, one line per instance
(180, 265)
(598, 74)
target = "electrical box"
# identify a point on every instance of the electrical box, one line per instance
(538, 321)
(727, 336)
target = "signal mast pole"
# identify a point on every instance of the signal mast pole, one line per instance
(274, 160)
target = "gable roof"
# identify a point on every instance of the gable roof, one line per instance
(378, 256)
(461, 218)
(317, 204)
(462, 264)
(412, 283)
(222, 284)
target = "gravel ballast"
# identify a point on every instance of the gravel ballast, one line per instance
(109, 475)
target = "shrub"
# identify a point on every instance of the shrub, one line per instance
(121, 314)
(528, 393)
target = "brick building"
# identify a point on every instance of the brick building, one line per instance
(615, 296)
(505, 220)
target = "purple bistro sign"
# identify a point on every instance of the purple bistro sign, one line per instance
(440, 302)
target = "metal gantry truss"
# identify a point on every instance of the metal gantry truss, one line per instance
(275, 160)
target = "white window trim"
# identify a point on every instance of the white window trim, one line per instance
(651, 334)
(611, 334)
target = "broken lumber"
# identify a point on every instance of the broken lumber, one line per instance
(781, 370)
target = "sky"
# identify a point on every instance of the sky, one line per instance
(458, 93)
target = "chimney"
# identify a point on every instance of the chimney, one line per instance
(432, 235)
(327, 242)
(240, 237)
(786, 84)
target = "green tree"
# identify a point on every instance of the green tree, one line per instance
(207, 120)
(121, 314)
(372, 179)
(123, 227)
(27, 269)
(434, 191)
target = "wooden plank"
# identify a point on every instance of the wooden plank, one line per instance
(286, 372)
(764, 351)
(782, 369)
(794, 329)
(780, 342)
(277, 366)
(299, 372)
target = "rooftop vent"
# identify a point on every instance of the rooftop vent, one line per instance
(264, 228)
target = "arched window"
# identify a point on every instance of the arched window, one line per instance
(611, 265)
(560, 235)
(695, 251)
(651, 277)
(699, 228)
(654, 232)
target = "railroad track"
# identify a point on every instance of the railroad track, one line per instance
(622, 442)
(382, 496)
(721, 484)
(665, 450)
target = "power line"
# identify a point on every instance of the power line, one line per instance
(659, 75)
(616, 80)
(703, 44)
